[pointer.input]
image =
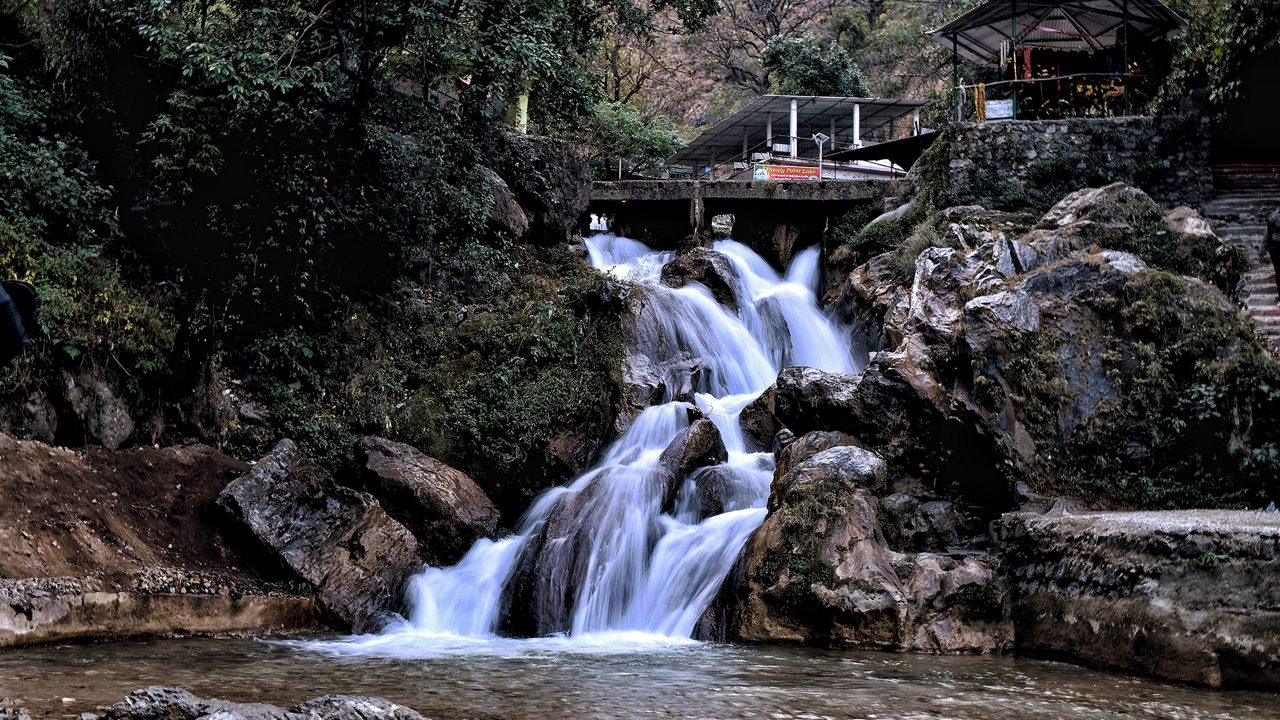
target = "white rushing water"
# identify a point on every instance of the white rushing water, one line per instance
(611, 561)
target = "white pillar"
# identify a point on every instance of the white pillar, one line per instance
(915, 122)
(832, 134)
(744, 145)
(795, 130)
(857, 125)
(768, 134)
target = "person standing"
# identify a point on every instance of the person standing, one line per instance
(17, 318)
(1273, 245)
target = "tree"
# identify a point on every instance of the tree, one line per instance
(800, 65)
(617, 131)
(735, 39)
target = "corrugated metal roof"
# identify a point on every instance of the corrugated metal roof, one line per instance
(1087, 25)
(724, 139)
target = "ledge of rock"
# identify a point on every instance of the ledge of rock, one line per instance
(339, 540)
(1189, 596)
(170, 703)
(443, 507)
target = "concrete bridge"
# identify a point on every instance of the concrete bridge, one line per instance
(767, 215)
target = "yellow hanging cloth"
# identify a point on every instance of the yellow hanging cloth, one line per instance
(980, 103)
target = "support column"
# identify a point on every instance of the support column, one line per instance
(744, 145)
(915, 123)
(697, 215)
(857, 125)
(795, 130)
(955, 77)
(1125, 40)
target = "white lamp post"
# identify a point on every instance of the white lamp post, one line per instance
(821, 139)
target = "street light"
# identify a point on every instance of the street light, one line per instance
(821, 140)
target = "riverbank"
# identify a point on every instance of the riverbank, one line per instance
(99, 544)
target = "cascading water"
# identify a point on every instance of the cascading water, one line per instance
(618, 554)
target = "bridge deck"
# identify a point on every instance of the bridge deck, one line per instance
(832, 191)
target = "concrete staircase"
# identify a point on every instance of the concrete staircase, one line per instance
(1244, 195)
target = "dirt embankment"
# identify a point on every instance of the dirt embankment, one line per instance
(96, 543)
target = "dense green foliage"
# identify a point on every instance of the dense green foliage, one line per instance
(801, 65)
(617, 131)
(264, 218)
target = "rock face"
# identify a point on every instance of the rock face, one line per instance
(505, 215)
(697, 446)
(706, 266)
(1023, 349)
(1185, 596)
(100, 409)
(446, 511)
(757, 421)
(819, 570)
(339, 540)
(170, 703)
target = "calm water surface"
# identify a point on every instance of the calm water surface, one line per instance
(514, 680)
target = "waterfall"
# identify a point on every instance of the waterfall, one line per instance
(626, 550)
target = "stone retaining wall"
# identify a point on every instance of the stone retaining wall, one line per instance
(1008, 164)
(1188, 596)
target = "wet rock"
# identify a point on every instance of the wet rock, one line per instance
(539, 599)
(712, 269)
(339, 540)
(99, 407)
(697, 446)
(170, 703)
(758, 422)
(443, 507)
(505, 214)
(1188, 596)
(955, 606)
(354, 707)
(808, 446)
(933, 525)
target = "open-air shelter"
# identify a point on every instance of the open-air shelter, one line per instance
(783, 127)
(1091, 39)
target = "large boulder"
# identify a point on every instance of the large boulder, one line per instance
(712, 269)
(443, 507)
(339, 540)
(171, 703)
(100, 407)
(697, 446)
(505, 214)
(819, 571)
(758, 422)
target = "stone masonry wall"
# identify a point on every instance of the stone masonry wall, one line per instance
(1189, 596)
(1020, 164)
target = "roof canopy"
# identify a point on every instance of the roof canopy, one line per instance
(1087, 25)
(814, 114)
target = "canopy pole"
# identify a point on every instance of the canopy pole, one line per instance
(955, 77)
(795, 130)
(1125, 40)
(1013, 48)
(768, 134)
(857, 125)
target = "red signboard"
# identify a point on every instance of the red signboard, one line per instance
(787, 173)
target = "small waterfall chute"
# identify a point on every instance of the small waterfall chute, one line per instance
(612, 555)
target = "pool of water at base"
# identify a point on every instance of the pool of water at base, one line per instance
(532, 680)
